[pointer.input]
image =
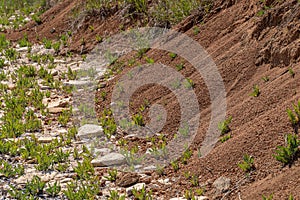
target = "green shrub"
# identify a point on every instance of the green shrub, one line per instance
(224, 125)
(248, 163)
(287, 154)
(256, 91)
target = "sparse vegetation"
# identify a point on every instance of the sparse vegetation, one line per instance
(224, 125)
(288, 153)
(247, 164)
(256, 91)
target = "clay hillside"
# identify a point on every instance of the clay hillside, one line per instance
(44, 45)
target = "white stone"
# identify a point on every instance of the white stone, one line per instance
(109, 160)
(90, 131)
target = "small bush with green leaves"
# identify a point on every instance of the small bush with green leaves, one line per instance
(225, 138)
(247, 164)
(108, 123)
(84, 170)
(114, 195)
(142, 194)
(24, 42)
(175, 165)
(8, 170)
(256, 91)
(47, 43)
(224, 125)
(138, 119)
(64, 117)
(82, 190)
(294, 116)
(287, 154)
(270, 197)
(53, 190)
(112, 175)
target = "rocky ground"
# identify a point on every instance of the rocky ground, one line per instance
(48, 150)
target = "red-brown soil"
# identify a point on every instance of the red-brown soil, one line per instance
(245, 47)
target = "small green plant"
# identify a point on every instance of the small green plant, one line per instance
(37, 19)
(179, 66)
(149, 60)
(114, 195)
(71, 74)
(265, 78)
(247, 164)
(294, 116)
(291, 197)
(64, 117)
(35, 186)
(225, 138)
(47, 43)
(172, 55)
(189, 83)
(224, 125)
(189, 194)
(256, 91)
(9, 170)
(2, 63)
(138, 119)
(11, 54)
(142, 194)
(287, 154)
(292, 73)
(56, 46)
(270, 197)
(175, 165)
(85, 169)
(53, 190)
(24, 42)
(196, 30)
(112, 175)
(194, 180)
(186, 155)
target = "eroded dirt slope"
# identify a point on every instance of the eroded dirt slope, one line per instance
(246, 46)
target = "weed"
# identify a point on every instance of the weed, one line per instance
(8, 170)
(196, 30)
(112, 175)
(294, 118)
(224, 125)
(24, 42)
(189, 194)
(265, 78)
(64, 117)
(189, 83)
(194, 180)
(71, 74)
(84, 170)
(186, 155)
(47, 43)
(149, 60)
(287, 154)
(270, 197)
(2, 63)
(175, 165)
(172, 55)
(248, 163)
(53, 190)
(142, 194)
(292, 73)
(56, 46)
(225, 138)
(256, 91)
(138, 119)
(114, 195)
(11, 54)
(37, 19)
